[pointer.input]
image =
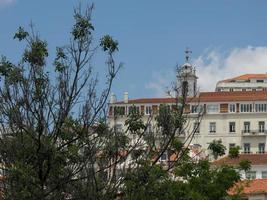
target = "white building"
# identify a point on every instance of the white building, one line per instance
(246, 82)
(236, 112)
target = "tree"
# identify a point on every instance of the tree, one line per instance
(197, 180)
(217, 148)
(234, 152)
(56, 142)
(47, 152)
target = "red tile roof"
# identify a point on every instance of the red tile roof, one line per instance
(232, 96)
(149, 100)
(255, 159)
(244, 77)
(256, 186)
(235, 96)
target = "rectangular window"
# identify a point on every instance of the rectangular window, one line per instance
(232, 108)
(148, 110)
(261, 147)
(232, 127)
(213, 108)
(119, 110)
(118, 128)
(212, 127)
(245, 107)
(164, 156)
(196, 108)
(261, 107)
(261, 126)
(231, 145)
(246, 147)
(264, 174)
(246, 127)
(134, 110)
(196, 127)
(149, 128)
(251, 175)
(259, 81)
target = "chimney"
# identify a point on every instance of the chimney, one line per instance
(113, 98)
(126, 97)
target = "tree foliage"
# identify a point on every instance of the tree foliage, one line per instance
(217, 148)
(46, 150)
(57, 144)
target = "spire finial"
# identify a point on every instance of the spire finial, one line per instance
(187, 52)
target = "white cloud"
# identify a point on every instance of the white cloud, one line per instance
(214, 65)
(161, 82)
(6, 2)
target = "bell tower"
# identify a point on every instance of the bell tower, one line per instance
(186, 77)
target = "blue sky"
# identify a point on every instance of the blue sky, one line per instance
(227, 37)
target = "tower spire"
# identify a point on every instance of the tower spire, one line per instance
(187, 54)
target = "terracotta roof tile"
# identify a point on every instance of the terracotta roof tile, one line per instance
(149, 100)
(256, 186)
(232, 96)
(235, 96)
(244, 77)
(255, 159)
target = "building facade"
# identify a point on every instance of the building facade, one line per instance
(236, 112)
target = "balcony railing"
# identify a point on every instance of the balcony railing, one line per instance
(254, 132)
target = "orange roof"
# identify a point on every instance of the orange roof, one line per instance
(244, 77)
(232, 96)
(149, 100)
(256, 186)
(235, 96)
(255, 159)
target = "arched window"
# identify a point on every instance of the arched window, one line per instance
(185, 88)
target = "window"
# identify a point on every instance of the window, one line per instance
(264, 174)
(251, 175)
(232, 127)
(259, 81)
(148, 110)
(163, 157)
(119, 110)
(119, 173)
(213, 108)
(196, 108)
(246, 147)
(185, 88)
(261, 126)
(245, 107)
(261, 107)
(232, 108)
(149, 128)
(231, 145)
(196, 127)
(261, 147)
(212, 127)
(118, 127)
(246, 127)
(134, 110)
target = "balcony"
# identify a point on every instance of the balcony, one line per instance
(254, 132)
